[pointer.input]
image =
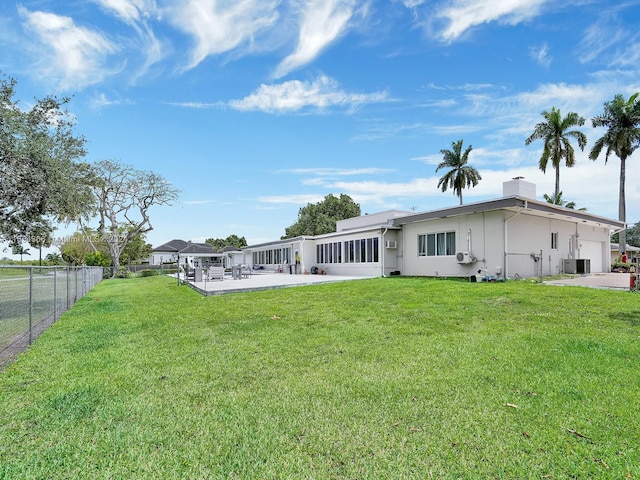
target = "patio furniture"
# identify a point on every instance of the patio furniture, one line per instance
(215, 273)
(245, 271)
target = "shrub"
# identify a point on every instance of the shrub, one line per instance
(148, 273)
(123, 272)
(619, 266)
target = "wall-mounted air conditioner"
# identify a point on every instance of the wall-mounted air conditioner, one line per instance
(391, 244)
(465, 257)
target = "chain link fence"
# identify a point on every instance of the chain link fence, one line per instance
(32, 298)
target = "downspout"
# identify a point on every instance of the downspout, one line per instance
(383, 249)
(507, 220)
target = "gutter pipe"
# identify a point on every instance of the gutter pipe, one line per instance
(507, 220)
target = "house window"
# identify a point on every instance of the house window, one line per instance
(437, 244)
(364, 250)
(422, 245)
(554, 240)
(329, 252)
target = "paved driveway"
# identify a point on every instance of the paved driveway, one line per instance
(611, 281)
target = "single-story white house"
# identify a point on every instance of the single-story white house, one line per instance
(633, 253)
(186, 253)
(511, 236)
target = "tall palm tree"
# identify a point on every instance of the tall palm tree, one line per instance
(558, 200)
(556, 134)
(20, 250)
(622, 119)
(460, 174)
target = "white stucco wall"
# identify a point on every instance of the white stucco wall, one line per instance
(527, 251)
(481, 231)
(528, 234)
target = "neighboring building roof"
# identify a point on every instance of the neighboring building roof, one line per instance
(628, 248)
(369, 220)
(198, 249)
(515, 203)
(183, 247)
(174, 245)
(229, 248)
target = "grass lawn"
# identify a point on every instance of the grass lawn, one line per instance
(397, 378)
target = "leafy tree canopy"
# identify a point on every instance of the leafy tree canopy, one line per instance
(230, 241)
(88, 247)
(321, 217)
(75, 248)
(633, 236)
(98, 259)
(41, 180)
(558, 200)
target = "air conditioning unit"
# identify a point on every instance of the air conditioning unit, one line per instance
(465, 257)
(391, 244)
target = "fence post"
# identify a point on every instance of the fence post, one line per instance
(68, 286)
(55, 293)
(30, 305)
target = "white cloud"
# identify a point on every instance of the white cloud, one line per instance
(466, 14)
(337, 172)
(198, 202)
(78, 55)
(412, 3)
(129, 11)
(541, 55)
(292, 199)
(322, 23)
(293, 96)
(103, 101)
(598, 38)
(136, 13)
(628, 56)
(219, 26)
(198, 105)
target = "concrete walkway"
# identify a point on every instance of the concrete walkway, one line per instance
(269, 281)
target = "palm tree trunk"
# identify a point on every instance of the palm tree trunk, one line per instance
(622, 211)
(557, 182)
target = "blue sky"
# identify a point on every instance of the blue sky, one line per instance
(254, 108)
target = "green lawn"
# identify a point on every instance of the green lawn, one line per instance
(397, 378)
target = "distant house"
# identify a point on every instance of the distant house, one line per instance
(633, 253)
(183, 252)
(167, 252)
(512, 236)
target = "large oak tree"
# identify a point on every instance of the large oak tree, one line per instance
(42, 180)
(123, 197)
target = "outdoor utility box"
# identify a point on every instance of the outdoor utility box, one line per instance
(578, 265)
(236, 272)
(197, 275)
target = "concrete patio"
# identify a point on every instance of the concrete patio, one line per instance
(263, 281)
